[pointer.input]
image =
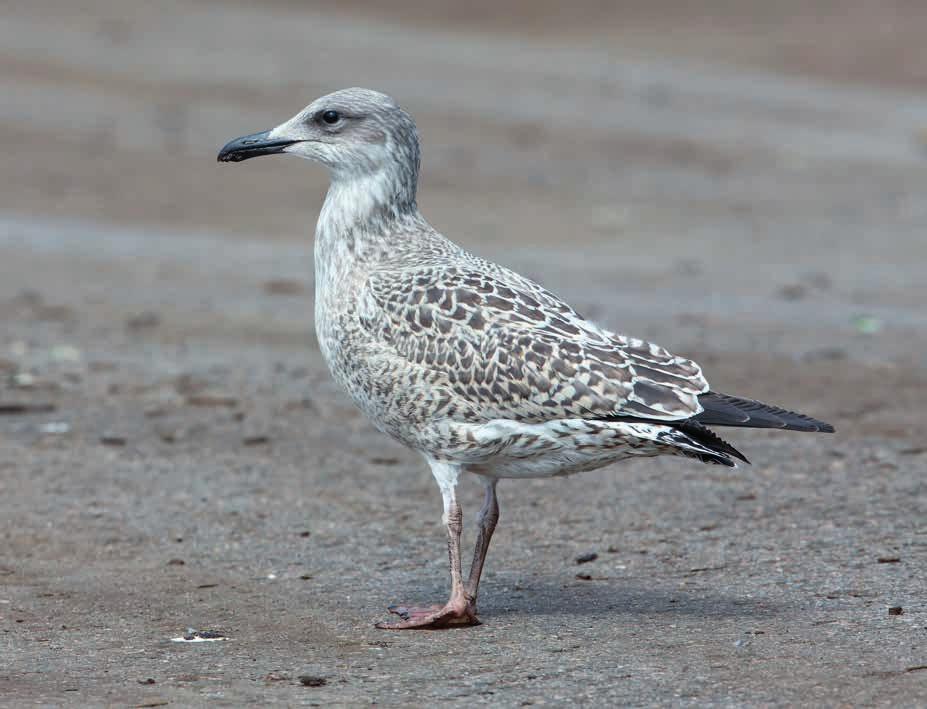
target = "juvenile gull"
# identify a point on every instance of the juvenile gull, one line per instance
(475, 367)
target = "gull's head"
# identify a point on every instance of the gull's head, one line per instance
(354, 132)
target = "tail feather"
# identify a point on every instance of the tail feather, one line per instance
(710, 458)
(726, 410)
(709, 439)
(691, 437)
(699, 443)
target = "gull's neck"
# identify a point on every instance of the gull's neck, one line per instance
(363, 217)
(366, 201)
(365, 205)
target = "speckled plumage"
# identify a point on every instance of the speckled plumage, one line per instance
(468, 361)
(475, 366)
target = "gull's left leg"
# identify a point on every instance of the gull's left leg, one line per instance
(489, 515)
(458, 610)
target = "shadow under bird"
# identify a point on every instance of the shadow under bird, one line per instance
(477, 368)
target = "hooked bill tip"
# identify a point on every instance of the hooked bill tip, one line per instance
(252, 146)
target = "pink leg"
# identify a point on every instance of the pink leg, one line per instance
(458, 610)
(489, 515)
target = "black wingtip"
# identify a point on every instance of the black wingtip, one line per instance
(725, 410)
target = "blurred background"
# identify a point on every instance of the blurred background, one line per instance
(741, 160)
(743, 182)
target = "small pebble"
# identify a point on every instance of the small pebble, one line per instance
(200, 636)
(143, 321)
(282, 286)
(866, 324)
(586, 558)
(98, 366)
(300, 404)
(58, 313)
(168, 434)
(23, 408)
(825, 353)
(212, 400)
(255, 440)
(794, 291)
(384, 461)
(55, 428)
(65, 353)
(23, 380)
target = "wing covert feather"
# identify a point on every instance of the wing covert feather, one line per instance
(518, 352)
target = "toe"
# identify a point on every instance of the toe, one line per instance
(430, 617)
(411, 612)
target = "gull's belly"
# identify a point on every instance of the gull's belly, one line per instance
(559, 464)
(511, 449)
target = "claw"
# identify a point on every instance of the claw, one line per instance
(401, 611)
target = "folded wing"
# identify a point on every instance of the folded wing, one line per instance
(517, 351)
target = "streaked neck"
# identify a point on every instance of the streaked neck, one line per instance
(367, 201)
(362, 216)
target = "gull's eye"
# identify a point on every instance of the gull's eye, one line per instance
(331, 117)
